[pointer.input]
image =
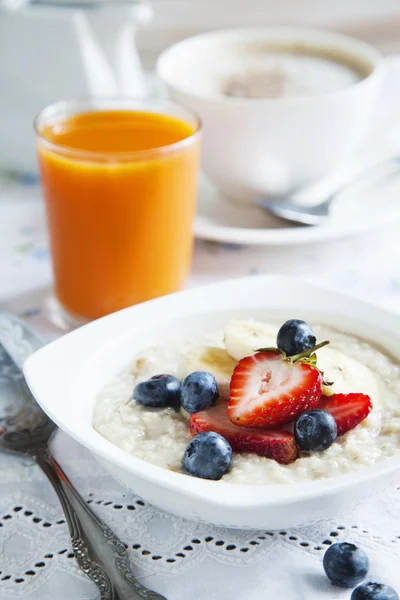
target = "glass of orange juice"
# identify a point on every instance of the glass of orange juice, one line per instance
(119, 178)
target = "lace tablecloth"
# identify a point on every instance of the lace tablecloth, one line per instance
(179, 558)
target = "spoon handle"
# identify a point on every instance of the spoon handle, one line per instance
(98, 551)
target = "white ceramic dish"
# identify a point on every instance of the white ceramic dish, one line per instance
(66, 375)
(358, 210)
(266, 145)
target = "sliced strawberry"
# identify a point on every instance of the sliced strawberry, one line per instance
(279, 445)
(348, 410)
(267, 391)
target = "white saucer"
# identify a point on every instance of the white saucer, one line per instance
(356, 211)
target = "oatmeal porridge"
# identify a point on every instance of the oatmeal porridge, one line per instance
(161, 435)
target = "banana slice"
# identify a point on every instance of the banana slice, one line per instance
(184, 413)
(243, 338)
(348, 374)
(155, 360)
(212, 359)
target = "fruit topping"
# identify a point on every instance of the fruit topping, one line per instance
(374, 591)
(242, 338)
(345, 564)
(295, 337)
(158, 391)
(348, 374)
(199, 391)
(276, 444)
(212, 359)
(315, 430)
(268, 390)
(348, 410)
(208, 455)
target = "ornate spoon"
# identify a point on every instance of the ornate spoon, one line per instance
(26, 430)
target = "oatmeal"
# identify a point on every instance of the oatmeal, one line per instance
(161, 435)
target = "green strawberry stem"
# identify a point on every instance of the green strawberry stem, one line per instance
(308, 357)
(308, 353)
(296, 357)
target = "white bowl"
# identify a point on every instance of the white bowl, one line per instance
(66, 375)
(273, 145)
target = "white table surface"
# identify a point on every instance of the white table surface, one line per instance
(35, 559)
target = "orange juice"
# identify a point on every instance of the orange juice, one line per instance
(120, 192)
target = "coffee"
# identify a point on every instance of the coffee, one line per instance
(291, 72)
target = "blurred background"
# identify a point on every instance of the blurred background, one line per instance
(375, 21)
(42, 61)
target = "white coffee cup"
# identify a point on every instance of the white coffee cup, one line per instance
(270, 145)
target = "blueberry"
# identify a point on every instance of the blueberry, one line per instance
(295, 337)
(345, 564)
(158, 391)
(315, 430)
(374, 591)
(208, 455)
(199, 391)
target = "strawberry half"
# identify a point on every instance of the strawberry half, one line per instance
(279, 445)
(267, 391)
(348, 410)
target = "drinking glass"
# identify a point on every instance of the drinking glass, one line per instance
(119, 218)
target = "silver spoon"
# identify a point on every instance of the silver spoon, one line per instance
(26, 430)
(318, 214)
